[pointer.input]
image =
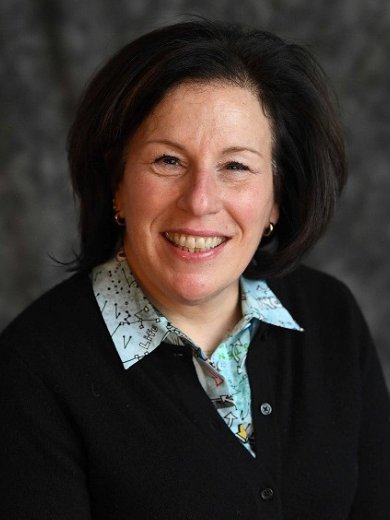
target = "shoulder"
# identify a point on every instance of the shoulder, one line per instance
(306, 279)
(336, 340)
(306, 284)
(62, 317)
(60, 301)
(317, 299)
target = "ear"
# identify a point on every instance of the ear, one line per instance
(274, 215)
(118, 199)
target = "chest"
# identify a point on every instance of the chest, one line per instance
(156, 444)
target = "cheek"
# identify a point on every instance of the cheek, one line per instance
(145, 202)
(134, 192)
(254, 207)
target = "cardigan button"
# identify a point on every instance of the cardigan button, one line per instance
(266, 409)
(267, 494)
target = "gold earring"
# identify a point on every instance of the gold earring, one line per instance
(268, 231)
(120, 221)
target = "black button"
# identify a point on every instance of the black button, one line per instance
(265, 408)
(266, 494)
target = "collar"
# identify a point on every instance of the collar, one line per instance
(137, 328)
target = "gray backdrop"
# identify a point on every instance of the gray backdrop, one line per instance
(49, 48)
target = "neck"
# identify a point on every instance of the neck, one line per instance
(207, 323)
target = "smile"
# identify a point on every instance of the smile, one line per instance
(194, 244)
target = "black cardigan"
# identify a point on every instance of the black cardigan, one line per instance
(82, 438)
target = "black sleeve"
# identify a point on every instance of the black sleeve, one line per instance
(41, 458)
(372, 500)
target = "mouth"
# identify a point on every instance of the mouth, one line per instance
(193, 243)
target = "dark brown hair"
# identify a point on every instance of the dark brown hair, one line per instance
(308, 151)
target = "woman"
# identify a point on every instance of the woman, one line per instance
(190, 369)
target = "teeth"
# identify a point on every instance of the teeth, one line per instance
(192, 243)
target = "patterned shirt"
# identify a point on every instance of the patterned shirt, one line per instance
(137, 328)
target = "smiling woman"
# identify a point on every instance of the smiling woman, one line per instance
(190, 368)
(198, 169)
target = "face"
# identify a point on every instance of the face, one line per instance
(197, 193)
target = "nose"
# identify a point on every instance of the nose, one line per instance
(201, 195)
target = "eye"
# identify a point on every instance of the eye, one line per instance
(168, 160)
(236, 166)
(167, 165)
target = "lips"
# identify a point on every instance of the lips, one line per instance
(194, 243)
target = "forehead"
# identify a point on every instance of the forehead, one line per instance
(217, 93)
(222, 108)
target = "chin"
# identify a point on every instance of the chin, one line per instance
(198, 291)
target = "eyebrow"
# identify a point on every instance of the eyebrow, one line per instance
(243, 149)
(232, 149)
(165, 141)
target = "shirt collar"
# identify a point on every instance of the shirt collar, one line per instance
(137, 329)
(258, 301)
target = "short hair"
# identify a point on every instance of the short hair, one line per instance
(309, 164)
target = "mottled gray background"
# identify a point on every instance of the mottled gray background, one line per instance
(49, 48)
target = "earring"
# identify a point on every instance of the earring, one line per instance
(268, 231)
(120, 221)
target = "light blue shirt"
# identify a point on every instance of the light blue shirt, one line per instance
(137, 328)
